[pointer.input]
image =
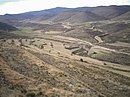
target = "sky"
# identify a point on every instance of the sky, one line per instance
(20, 6)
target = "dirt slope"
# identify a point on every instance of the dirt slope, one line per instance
(26, 71)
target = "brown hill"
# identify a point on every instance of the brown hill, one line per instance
(34, 15)
(76, 17)
(6, 28)
(110, 11)
(125, 16)
(117, 31)
(61, 14)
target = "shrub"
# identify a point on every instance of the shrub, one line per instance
(31, 95)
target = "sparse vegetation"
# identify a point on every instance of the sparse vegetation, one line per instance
(58, 55)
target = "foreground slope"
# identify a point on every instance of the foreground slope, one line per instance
(29, 70)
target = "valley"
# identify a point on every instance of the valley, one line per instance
(66, 52)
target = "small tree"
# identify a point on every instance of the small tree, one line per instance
(31, 94)
(41, 47)
(26, 40)
(12, 41)
(81, 60)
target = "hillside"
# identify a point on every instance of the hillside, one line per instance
(30, 16)
(117, 31)
(110, 12)
(89, 14)
(76, 17)
(31, 71)
(62, 14)
(125, 16)
(6, 28)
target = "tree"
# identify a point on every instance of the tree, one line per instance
(41, 47)
(12, 41)
(81, 60)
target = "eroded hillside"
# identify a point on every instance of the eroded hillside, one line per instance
(29, 70)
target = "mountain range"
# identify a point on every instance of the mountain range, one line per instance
(72, 15)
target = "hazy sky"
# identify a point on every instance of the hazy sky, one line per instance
(20, 6)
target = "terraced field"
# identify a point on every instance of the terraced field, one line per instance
(43, 67)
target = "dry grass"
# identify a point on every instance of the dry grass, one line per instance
(58, 73)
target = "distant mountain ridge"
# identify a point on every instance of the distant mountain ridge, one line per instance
(43, 14)
(72, 15)
(110, 11)
(76, 17)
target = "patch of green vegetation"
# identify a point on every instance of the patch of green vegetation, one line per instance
(88, 24)
(24, 32)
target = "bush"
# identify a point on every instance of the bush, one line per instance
(31, 95)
